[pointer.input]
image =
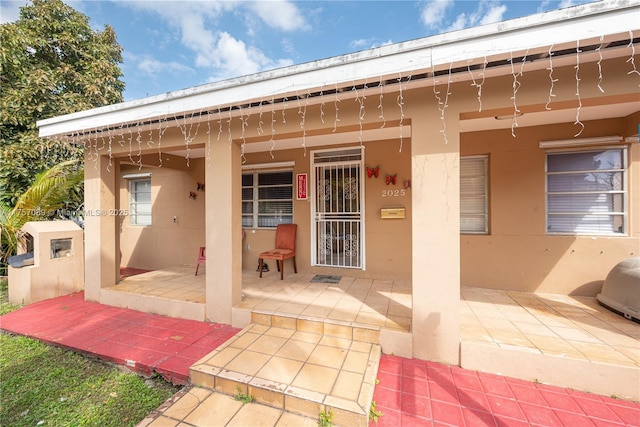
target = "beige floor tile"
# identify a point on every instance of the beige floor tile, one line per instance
(306, 337)
(343, 314)
(296, 350)
(293, 420)
(163, 421)
(244, 340)
(223, 357)
(317, 378)
(280, 332)
(267, 344)
(331, 357)
(356, 362)
(347, 386)
(255, 415)
(248, 362)
(574, 334)
(187, 403)
(280, 370)
(337, 342)
(218, 409)
(360, 346)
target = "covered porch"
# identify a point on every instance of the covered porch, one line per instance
(569, 341)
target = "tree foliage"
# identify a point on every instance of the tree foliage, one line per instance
(51, 63)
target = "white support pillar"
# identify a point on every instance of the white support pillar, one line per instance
(436, 242)
(100, 229)
(223, 231)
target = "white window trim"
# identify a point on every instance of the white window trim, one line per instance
(625, 191)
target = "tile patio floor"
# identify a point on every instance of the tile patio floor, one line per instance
(409, 393)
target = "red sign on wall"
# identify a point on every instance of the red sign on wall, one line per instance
(301, 180)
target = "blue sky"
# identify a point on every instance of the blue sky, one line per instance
(170, 45)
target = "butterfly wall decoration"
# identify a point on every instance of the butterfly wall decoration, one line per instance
(200, 186)
(373, 172)
(391, 179)
(192, 195)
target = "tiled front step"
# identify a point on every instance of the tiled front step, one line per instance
(299, 370)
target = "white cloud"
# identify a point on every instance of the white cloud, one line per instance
(495, 13)
(486, 12)
(232, 57)
(279, 14)
(152, 67)
(434, 12)
(565, 3)
(361, 43)
(199, 25)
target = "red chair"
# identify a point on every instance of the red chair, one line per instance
(285, 248)
(201, 258)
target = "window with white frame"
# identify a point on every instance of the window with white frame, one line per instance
(586, 192)
(267, 198)
(474, 214)
(140, 201)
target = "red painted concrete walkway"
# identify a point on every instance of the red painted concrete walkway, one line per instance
(144, 342)
(410, 392)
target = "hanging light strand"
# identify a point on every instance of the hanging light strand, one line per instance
(273, 130)
(400, 102)
(335, 105)
(380, 107)
(633, 54)
(139, 141)
(476, 84)
(515, 86)
(244, 141)
(578, 110)
(552, 81)
(260, 122)
(322, 104)
(209, 137)
(599, 50)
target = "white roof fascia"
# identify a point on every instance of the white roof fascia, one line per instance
(566, 27)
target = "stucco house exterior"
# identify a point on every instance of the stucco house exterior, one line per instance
(504, 156)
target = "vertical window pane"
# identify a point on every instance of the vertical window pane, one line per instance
(473, 195)
(140, 202)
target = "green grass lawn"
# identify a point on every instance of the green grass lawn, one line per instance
(49, 386)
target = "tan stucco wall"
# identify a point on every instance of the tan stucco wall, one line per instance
(517, 254)
(49, 277)
(388, 241)
(166, 242)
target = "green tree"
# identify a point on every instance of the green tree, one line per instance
(50, 196)
(51, 63)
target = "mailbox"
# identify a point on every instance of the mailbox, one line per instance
(390, 213)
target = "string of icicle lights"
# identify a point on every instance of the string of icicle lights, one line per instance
(141, 137)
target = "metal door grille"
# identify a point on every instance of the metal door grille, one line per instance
(338, 209)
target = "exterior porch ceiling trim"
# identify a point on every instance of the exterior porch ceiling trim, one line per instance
(610, 24)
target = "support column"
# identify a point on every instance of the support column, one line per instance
(223, 231)
(436, 242)
(100, 230)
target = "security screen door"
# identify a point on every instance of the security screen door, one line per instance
(338, 202)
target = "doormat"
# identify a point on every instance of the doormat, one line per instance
(323, 278)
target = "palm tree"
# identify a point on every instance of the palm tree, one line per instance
(51, 192)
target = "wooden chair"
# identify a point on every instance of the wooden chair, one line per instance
(285, 248)
(201, 258)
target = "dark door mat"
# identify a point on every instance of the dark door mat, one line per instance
(323, 278)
